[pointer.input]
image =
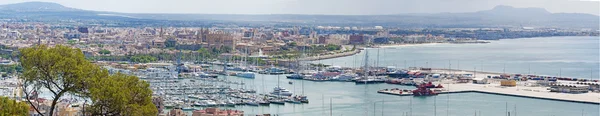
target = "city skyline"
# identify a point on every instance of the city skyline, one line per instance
(330, 7)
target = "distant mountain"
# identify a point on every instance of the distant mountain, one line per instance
(499, 16)
(509, 10)
(36, 7)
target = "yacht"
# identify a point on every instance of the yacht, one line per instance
(292, 101)
(206, 75)
(295, 76)
(197, 97)
(370, 80)
(229, 103)
(246, 74)
(188, 108)
(274, 71)
(345, 77)
(302, 99)
(169, 105)
(220, 103)
(204, 65)
(281, 91)
(252, 103)
(206, 103)
(199, 103)
(277, 101)
(264, 103)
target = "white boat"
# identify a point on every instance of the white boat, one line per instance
(197, 97)
(246, 74)
(252, 103)
(220, 103)
(281, 91)
(188, 108)
(345, 77)
(210, 103)
(200, 103)
(229, 102)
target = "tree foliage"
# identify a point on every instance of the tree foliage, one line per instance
(332, 47)
(204, 53)
(104, 51)
(9, 107)
(62, 70)
(142, 58)
(121, 94)
(58, 69)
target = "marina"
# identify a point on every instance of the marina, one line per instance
(360, 97)
(344, 88)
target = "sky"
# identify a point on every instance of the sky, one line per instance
(327, 7)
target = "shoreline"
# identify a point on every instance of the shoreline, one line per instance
(494, 87)
(359, 49)
(502, 94)
(330, 56)
(406, 45)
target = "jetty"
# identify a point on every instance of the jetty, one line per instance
(518, 91)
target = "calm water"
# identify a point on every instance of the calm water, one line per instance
(567, 56)
(575, 56)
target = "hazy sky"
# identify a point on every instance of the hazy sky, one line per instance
(340, 7)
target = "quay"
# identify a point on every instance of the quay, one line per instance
(527, 92)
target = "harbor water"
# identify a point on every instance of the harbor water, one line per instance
(567, 56)
(349, 99)
(577, 57)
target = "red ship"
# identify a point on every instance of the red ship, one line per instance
(423, 89)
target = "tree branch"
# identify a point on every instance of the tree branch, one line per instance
(28, 100)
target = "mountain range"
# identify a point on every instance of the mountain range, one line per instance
(499, 16)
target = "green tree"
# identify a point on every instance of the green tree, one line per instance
(171, 43)
(104, 51)
(292, 44)
(72, 42)
(204, 53)
(9, 107)
(226, 49)
(60, 70)
(121, 94)
(142, 58)
(332, 47)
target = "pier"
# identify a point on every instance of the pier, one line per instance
(520, 91)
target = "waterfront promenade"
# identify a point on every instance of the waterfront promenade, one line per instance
(329, 56)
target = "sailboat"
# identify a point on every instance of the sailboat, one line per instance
(279, 91)
(247, 73)
(368, 79)
(298, 74)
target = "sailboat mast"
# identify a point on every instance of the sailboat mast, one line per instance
(366, 63)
